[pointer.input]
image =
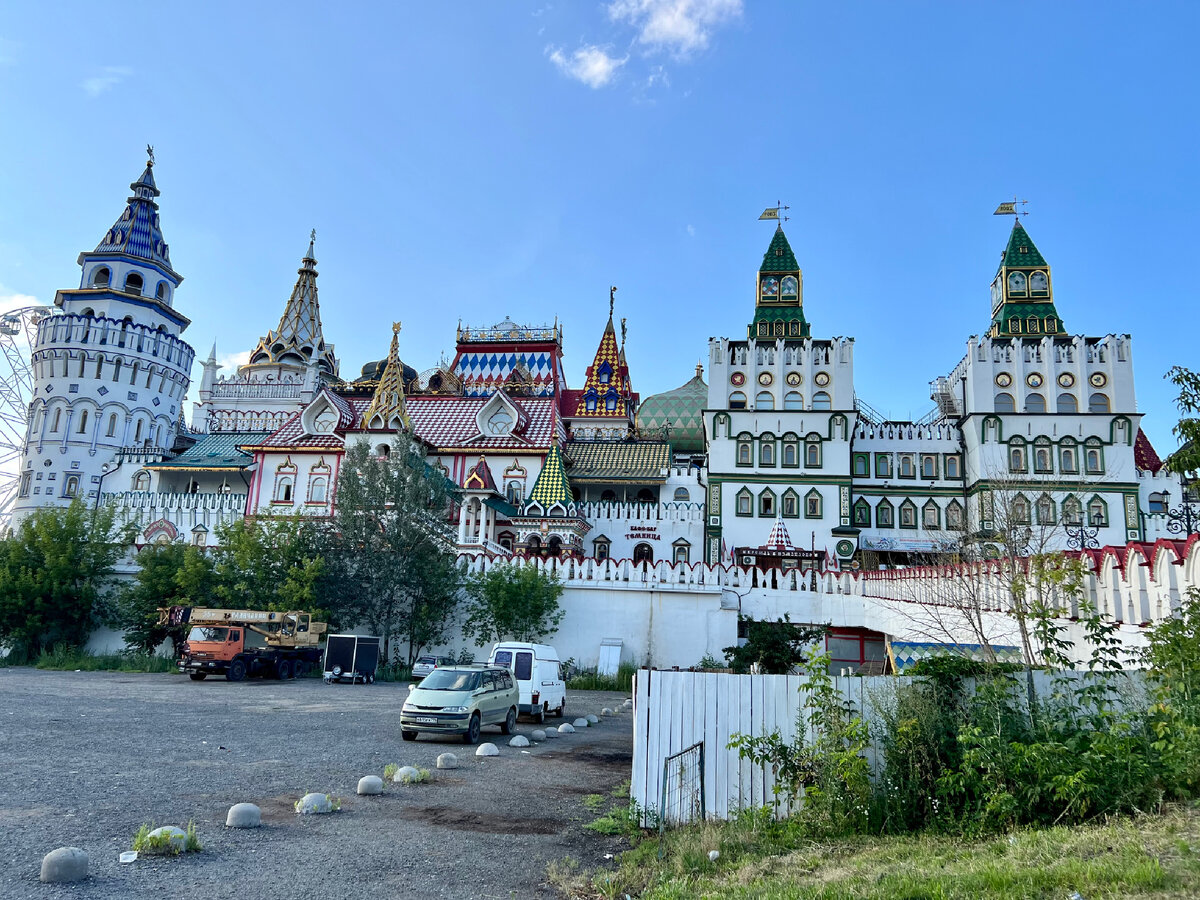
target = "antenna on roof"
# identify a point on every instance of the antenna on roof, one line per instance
(1010, 209)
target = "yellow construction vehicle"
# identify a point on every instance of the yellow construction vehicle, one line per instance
(240, 642)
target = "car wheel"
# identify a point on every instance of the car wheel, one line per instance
(236, 671)
(197, 676)
(408, 735)
(472, 734)
(283, 669)
(510, 721)
(540, 715)
(370, 679)
(562, 709)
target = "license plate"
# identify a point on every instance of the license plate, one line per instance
(425, 720)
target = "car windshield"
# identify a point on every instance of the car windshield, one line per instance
(449, 680)
(202, 633)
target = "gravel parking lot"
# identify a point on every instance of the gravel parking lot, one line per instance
(89, 757)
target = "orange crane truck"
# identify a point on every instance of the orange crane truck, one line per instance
(240, 642)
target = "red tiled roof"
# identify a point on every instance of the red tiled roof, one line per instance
(1144, 455)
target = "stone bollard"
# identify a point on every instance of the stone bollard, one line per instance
(370, 784)
(566, 729)
(64, 865)
(243, 815)
(447, 761)
(581, 722)
(537, 735)
(592, 719)
(519, 741)
(487, 750)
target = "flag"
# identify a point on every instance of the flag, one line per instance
(772, 213)
(1006, 209)
(725, 551)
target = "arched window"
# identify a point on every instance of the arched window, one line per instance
(1020, 510)
(602, 547)
(682, 552)
(766, 504)
(764, 400)
(862, 513)
(737, 400)
(1097, 513)
(283, 489)
(83, 420)
(1035, 403)
(793, 400)
(954, 515)
(791, 504)
(101, 277)
(316, 489)
(1041, 460)
(1157, 502)
(610, 401)
(1094, 459)
(1072, 511)
(645, 495)
(931, 516)
(608, 496)
(111, 431)
(744, 455)
(885, 515)
(821, 400)
(57, 421)
(1045, 510)
(133, 283)
(643, 553)
(1067, 403)
(141, 481)
(745, 503)
(1016, 283)
(1016, 456)
(812, 452)
(1005, 403)
(1069, 461)
(161, 293)
(812, 504)
(766, 450)
(590, 403)
(682, 495)
(791, 451)
(137, 431)
(1098, 403)
(383, 451)
(908, 514)
(71, 486)
(515, 492)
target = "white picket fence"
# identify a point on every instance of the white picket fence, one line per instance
(673, 710)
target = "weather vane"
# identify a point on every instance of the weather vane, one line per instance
(1010, 209)
(773, 212)
(611, 297)
(150, 153)
(312, 235)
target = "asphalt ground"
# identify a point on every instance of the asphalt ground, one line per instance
(88, 757)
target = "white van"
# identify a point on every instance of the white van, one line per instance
(538, 672)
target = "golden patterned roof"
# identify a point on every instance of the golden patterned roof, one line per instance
(387, 407)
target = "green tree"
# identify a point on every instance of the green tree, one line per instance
(776, 647)
(392, 553)
(512, 602)
(1187, 458)
(168, 575)
(54, 575)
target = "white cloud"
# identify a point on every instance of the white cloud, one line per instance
(107, 79)
(691, 230)
(589, 64)
(677, 26)
(9, 302)
(230, 361)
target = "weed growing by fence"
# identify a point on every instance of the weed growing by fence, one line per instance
(68, 659)
(590, 680)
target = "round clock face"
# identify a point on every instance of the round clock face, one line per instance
(1066, 379)
(764, 378)
(1098, 380)
(821, 378)
(1034, 380)
(737, 379)
(1004, 379)
(794, 378)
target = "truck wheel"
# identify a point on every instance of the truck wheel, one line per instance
(472, 733)
(408, 735)
(197, 676)
(236, 670)
(510, 721)
(283, 669)
(562, 708)
(540, 715)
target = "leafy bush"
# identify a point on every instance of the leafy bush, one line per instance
(148, 844)
(775, 647)
(389, 771)
(64, 658)
(591, 680)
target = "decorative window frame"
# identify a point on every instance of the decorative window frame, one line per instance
(907, 510)
(949, 459)
(1045, 511)
(884, 465)
(929, 472)
(789, 495)
(790, 442)
(936, 523)
(809, 498)
(1092, 446)
(1092, 521)
(883, 507)
(813, 441)
(861, 513)
(767, 448)
(766, 494)
(1020, 510)
(747, 495)
(911, 460)
(960, 515)
(860, 465)
(745, 441)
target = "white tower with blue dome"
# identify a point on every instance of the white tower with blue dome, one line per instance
(110, 369)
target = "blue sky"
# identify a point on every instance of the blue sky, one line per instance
(487, 159)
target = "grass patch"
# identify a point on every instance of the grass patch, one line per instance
(1150, 856)
(148, 844)
(68, 659)
(390, 770)
(591, 681)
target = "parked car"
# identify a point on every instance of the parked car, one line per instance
(461, 700)
(538, 672)
(426, 664)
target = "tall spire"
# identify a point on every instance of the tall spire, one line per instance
(299, 339)
(138, 233)
(387, 409)
(606, 389)
(779, 294)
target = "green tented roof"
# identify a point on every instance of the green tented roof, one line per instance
(773, 262)
(643, 462)
(552, 486)
(216, 451)
(1022, 311)
(682, 409)
(1013, 255)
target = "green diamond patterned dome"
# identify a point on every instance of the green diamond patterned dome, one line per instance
(681, 409)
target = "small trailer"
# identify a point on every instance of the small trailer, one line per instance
(352, 658)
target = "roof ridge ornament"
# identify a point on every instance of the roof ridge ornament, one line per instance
(1010, 209)
(772, 213)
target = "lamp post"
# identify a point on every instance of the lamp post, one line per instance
(1185, 518)
(1080, 536)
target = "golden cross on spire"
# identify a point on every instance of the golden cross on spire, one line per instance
(150, 154)
(395, 328)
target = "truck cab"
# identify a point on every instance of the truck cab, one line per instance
(237, 643)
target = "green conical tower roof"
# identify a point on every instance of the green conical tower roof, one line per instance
(775, 261)
(1020, 250)
(552, 486)
(681, 410)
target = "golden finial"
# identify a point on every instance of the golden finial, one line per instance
(150, 154)
(395, 328)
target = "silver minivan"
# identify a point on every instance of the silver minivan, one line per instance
(461, 700)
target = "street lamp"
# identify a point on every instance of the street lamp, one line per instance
(1080, 536)
(1185, 518)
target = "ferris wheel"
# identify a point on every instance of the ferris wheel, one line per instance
(18, 328)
